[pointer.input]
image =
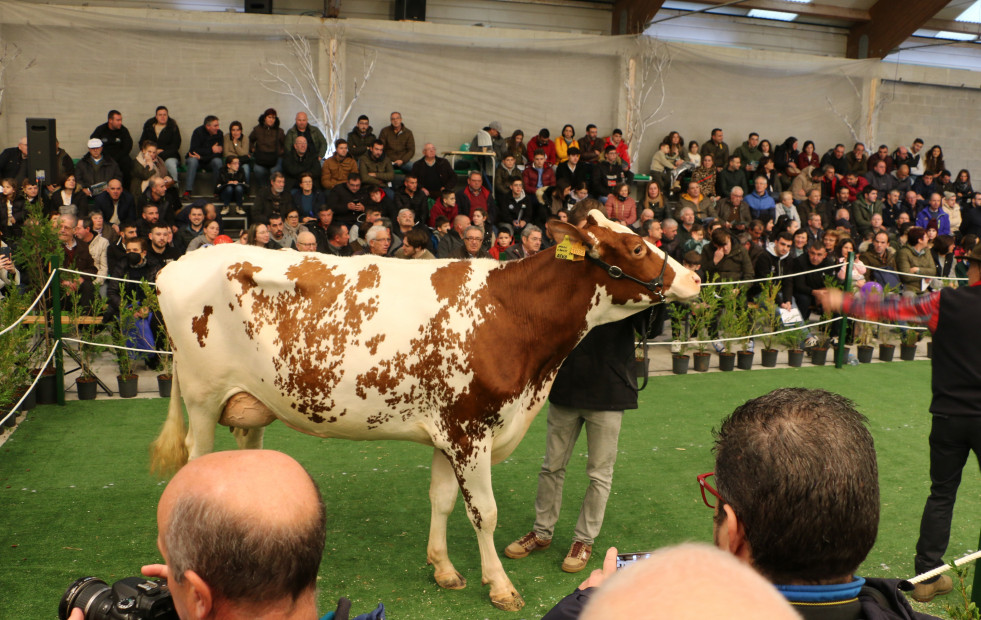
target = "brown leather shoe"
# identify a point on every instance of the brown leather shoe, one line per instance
(924, 592)
(577, 557)
(525, 545)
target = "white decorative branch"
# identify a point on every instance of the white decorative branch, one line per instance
(9, 53)
(646, 90)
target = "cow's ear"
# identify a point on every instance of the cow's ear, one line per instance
(559, 229)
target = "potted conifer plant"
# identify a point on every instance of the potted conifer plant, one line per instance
(703, 312)
(166, 377)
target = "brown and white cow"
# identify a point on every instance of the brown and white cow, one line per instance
(458, 355)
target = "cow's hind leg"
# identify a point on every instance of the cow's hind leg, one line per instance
(442, 496)
(474, 477)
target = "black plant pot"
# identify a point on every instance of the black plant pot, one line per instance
(886, 352)
(744, 360)
(769, 357)
(642, 368)
(702, 360)
(907, 352)
(865, 354)
(930, 349)
(129, 386)
(164, 383)
(44, 390)
(679, 364)
(727, 362)
(30, 401)
(819, 357)
(795, 358)
(844, 355)
(88, 389)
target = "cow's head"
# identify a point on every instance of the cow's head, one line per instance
(637, 270)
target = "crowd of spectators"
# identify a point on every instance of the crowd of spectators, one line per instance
(728, 213)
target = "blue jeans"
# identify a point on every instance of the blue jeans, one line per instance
(192, 170)
(232, 192)
(171, 165)
(262, 173)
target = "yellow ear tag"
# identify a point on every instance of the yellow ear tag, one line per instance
(568, 249)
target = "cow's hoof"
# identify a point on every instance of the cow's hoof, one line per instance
(451, 581)
(512, 603)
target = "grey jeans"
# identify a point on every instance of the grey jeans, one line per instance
(602, 434)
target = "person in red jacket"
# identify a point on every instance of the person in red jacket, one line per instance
(623, 152)
(538, 174)
(541, 141)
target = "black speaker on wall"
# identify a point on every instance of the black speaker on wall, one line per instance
(42, 160)
(258, 6)
(413, 10)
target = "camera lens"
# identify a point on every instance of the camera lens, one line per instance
(82, 594)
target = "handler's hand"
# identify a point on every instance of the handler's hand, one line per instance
(598, 576)
(77, 614)
(830, 299)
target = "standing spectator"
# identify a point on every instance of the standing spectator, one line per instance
(268, 143)
(338, 167)
(163, 130)
(207, 146)
(360, 138)
(400, 144)
(117, 143)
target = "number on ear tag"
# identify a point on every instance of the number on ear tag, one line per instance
(568, 249)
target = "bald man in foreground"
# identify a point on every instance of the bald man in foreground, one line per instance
(242, 534)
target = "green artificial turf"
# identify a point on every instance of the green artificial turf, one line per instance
(76, 497)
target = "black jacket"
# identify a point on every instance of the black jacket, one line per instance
(169, 140)
(125, 210)
(599, 373)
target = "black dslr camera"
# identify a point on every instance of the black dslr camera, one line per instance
(132, 598)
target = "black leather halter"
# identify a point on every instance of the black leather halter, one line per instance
(655, 286)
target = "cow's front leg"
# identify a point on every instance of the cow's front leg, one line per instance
(474, 477)
(442, 495)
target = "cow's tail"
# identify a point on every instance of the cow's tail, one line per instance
(168, 452)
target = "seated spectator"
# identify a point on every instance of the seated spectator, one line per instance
(163, 130)
(475, 196)
(786, 208)
(506, 172)
(934, 212)
(696, 240)
(670, 241)
(665, 161)
(237, 144)
(799, 248)
(530, 244)
(134, 267)
(206, 150)
(316, 142)
(162, 251)
(271, 199)
(700, 204)
(572, 170)
(473, 239)
(277, 231)
(749, 154)
(971, 217)
(539, 173)
(844, 247)
(405, 220)
(307, 198)
(891, 207)
(361, 137)
(347, 201)
(415, 245)
(854, 183)
(934, 159)
(542, 143)
(299, 160)
(13, 162)
(194, 227)
(258, 235)
(117, 143)
(208, 235)
(98, 248)
(761, 204)
(375, 168)
(565, 142)
(654, 200)
(962, 188)
(400, 144)
(29, 197)
(706, 175)
(338, 167)
(267, 142)
(410, 196)
(232, 185)
(863, 209)
(717, 148)
(902, 180)
(116, 253)
(591, 145)
(445, 206)
(729, 260)
(435, 173)
(785, 158)
(645, 216)
(518, 209)
(147, 166)
(808, 179)
(808, 157)
(858, 160)
(9, 274)
(836, 159)
(68, 198)
(489, 140)
(843, 226)
(925, 186)
(620, 206)
(515, 145)
(292, 227)
(325, 217)
(306, 242)
(96, 169)
(731, 176)
(502, 242)
(480, 218)
(378, 201)
(732, 212)
(609, 173)
(814, 228)
(804, 284)
(880, 179)
(156, 195)
(914, 259)
(453, 239)
(942, 254)
(951, 207)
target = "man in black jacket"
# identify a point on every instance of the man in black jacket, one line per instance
(117, 143)
(594, 386)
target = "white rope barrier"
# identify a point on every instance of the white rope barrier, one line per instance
(13, 411)
(735, 338)
(918, 328)
(95, 275)
(31, 307)
(768, 278)
(940, 570)
(113, 346)
(915, 275)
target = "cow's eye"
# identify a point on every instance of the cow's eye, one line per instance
(639, 250)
